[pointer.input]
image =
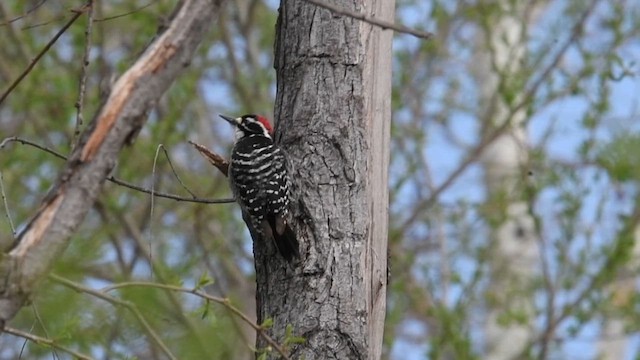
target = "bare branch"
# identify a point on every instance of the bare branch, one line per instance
(6, 206)
(83, 73)
(385, 25)
(175, 173)
(127, 13)
(18, 43)
(170, 196)
(117, 181)
(35, 60)
(44, 341)
(34, 8)
(215, 159)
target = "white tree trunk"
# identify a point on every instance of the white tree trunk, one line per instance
(514, 251)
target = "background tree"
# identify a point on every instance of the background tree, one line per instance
(579, 180)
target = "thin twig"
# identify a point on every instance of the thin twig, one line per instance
(223, 301)
(33, 63)
(175, 173)
(36, 6)
(153, 184)
(83, 74)
(6, 206)
(24, 54)
(216, 160)
(115, 301)
(44, 23)
(44, 341)
(116, 180)
(170, 196)
(127, 13)
(24, 344)
(36, 313)
(385, 25)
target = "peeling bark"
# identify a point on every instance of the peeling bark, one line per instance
(333, 115)
(116, 123)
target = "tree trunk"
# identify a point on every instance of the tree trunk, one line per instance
(514, 251)
(333, 115)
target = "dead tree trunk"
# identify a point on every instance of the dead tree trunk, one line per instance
(333, 113)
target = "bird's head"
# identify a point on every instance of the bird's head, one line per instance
(247, 125)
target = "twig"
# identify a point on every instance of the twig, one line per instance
(33, 63)
(44, 23)
(385, 25)
(116, 180)
(215, 159)
(6, 206)
(36, 313)
(36, 6)
(115, 301)
(152, 207)
(175, 173)
(169, 196)
(44, 341)
(223, 301)
(14, 37)
(127, 13)
(83, 73)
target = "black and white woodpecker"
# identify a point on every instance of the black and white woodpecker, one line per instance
(260, 182)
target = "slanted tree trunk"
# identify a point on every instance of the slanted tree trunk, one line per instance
(333, 113)
(118, 121)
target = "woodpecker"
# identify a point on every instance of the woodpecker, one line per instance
(260, 182)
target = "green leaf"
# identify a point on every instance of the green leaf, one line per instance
(203, 281)
(205, 310)
(267, 323)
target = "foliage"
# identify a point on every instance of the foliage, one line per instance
(579, 184)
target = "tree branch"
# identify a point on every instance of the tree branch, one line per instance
(215, 159)
(385, 25)
(44, 341)
(83, 73)
(117, 122)
(193, 199)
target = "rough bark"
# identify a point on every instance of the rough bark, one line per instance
(333, 111)
(117, 122)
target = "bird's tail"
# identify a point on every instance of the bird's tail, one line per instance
(284, 238)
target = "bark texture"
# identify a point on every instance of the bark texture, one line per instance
(117, 122)
(333, 112)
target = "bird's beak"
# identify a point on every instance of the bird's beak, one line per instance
(232, 121)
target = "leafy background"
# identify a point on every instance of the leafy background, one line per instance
(579, 181)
